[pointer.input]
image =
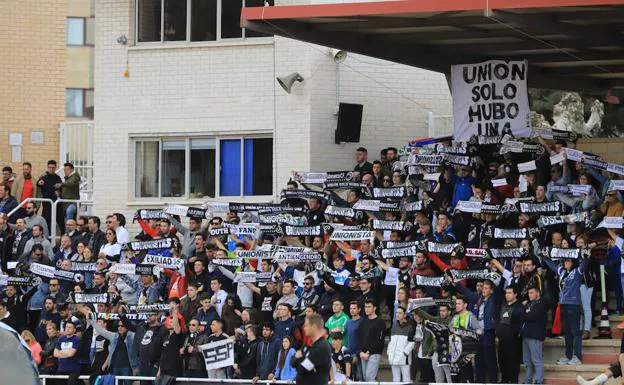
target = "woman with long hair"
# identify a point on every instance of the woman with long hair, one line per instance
(402, 300)
(111, 250)
(33, 345)
(284, 370)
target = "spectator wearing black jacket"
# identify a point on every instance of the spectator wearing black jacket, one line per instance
(95, 237)
(533, 332)
(246, 350)
(18, 240)
(372, 332)
(313, 364)
(5, 242)
(16, 305)
(148, 340)
(508, 333)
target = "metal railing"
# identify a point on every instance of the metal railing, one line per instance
(54, 207)
(76, 147)
(45, 377)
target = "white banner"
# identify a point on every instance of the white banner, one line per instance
(218, 354)
(490, 99)
(367, 205)
(42, 270)
(216, 207)
(616, 168)
(526, 166)
(612, 222)
(340, 235)
(123, 268)
(168, 262)
(616, 185)
(469, 206)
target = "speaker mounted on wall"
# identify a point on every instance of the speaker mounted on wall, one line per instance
(349, 123)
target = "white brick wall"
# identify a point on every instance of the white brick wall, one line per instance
(232, 89)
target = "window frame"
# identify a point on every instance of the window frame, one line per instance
(187, 165)
(189, 7)
(84, 103)
(84, 31)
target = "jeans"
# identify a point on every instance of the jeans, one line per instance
(571, 319)
(442, 372)
(532, 356)
(370, 367)
(147, 371)
(586, 298)
(485, 359)
(123, 372)
(400, 373)
(70, 212)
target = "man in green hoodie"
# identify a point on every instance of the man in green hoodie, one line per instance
(338, 321)
(430, 346)
(69, 189)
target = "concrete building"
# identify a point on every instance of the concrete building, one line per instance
(189, 110)
(47, 76)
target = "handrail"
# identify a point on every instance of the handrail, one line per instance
(54, 205)
(29, 200)
(45, 377)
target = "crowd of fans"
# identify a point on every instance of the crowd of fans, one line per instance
(532, 278)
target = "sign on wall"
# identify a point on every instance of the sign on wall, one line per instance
(490, 99)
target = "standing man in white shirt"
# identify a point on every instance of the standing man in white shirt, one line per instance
(219, 297)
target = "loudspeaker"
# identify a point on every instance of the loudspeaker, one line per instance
(287, 81)
(349, 123)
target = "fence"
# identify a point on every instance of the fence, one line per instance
(81, 205)
(210, 381)
(76, 147)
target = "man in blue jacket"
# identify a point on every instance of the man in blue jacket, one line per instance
(570, 279)
(488, 305)
(268, 350)
(533, 332)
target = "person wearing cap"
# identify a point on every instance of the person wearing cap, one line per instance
(147, 288)
(66, 350)
(148, 340)
(267, 299)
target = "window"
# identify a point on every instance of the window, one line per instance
(80, 31)
(192, 20)
(188, 168)
(79, 102)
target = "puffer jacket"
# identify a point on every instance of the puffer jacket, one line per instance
(401, 344)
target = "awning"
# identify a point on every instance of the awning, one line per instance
(569, 44)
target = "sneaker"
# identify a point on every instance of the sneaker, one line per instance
(574, 361)
(581, 381)
(563, 361)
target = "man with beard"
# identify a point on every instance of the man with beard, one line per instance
(95, 237)
(45, 188)
(32, 218)
(530, 278)
(5, 242)
(148, 340)
(23, 187)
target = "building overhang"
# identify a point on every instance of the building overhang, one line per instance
(575, 45)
